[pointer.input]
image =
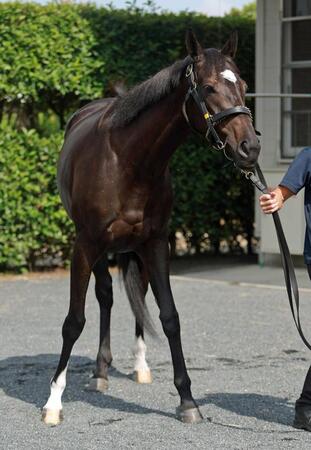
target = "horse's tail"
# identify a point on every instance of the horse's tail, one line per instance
(131, 268)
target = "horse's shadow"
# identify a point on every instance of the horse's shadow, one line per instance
(266, 408)
(26, 378)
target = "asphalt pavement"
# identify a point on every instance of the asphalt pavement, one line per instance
(244, 356)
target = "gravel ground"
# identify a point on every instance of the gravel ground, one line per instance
(243, 353)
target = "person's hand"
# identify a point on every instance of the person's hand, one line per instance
(271, 202)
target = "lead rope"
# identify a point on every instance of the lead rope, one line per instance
(287, 263)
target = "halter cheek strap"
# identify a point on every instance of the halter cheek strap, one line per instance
(211, 120)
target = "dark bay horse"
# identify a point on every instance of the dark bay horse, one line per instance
(114, 183)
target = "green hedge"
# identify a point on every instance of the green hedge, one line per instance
(33, 224)
(55, 58)
(213, 202)
(47, 59)
(58, 56)
(136, 45)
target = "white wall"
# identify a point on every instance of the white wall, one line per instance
(268, 121)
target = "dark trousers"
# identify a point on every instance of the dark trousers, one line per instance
(305, 397)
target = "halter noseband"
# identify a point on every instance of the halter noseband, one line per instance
(211, 120)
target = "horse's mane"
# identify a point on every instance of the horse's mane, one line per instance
(130, 104)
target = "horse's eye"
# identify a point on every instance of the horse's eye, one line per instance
(208, 89)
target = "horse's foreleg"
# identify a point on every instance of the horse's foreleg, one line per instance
(83, 259)
(155, 255)
(142, 373)
(103, 291)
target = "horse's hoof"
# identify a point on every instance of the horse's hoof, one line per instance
(143, 376)
(190, 415)
(52, 416)
(98, 384)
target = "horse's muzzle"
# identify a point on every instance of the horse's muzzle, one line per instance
(247, 154)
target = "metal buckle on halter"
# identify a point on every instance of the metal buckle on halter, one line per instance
(218, 144)
(190, 73)
(247, 173)
(189, 70)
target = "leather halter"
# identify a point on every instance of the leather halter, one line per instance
(211, 120)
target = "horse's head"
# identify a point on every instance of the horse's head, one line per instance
(220, 88)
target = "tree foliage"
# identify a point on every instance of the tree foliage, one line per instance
(47, 58)
(248, 11)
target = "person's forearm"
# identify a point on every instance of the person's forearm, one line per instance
(285, 192)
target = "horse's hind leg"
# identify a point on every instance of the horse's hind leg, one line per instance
(142, 373)
(83, 259)
(155, 255)
(103, 291)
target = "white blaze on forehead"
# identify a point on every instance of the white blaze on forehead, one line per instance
(229, 75)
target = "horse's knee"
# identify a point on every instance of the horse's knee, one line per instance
(72, 327)
(170, 324)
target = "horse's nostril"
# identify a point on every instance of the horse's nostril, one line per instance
(247, 151)
(243, 149)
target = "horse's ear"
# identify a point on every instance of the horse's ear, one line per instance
(193, 46)
(231, 46)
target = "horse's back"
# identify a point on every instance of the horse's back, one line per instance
(86, 111)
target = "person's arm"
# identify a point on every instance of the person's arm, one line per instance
(275, 200)
(297, 175)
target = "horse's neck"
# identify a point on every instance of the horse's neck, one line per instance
(157, 132)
